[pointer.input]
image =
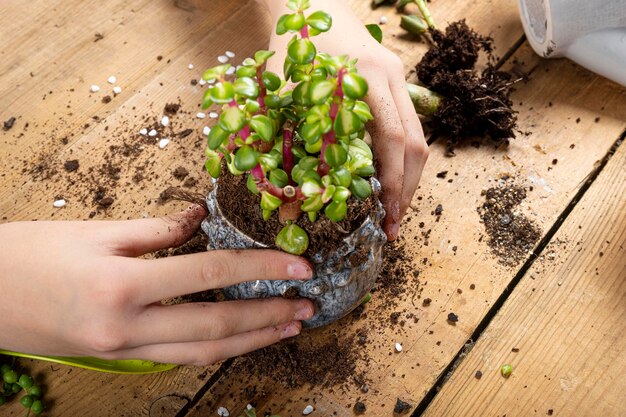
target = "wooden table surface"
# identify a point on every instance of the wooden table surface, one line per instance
(558, 316)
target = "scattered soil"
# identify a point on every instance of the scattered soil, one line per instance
(171, 108)
(359, 408)
(401, 407)
(106, 99)
(71, 165)
(476, 102)
(512, 235)
(242, 209)
(8, 124)
(180, 173)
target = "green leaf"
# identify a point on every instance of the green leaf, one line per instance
(311, 188)
(217, 135)
(347, 123)
(359, 149)
(375, 31)
(279, 178)
(272, 101)
(310, 162)
(223, 93)
(271, 80)
(263, 126)
(354, 86)
(232, 120)
(216, 73)
(328, 193)
(360, 188)
(319, 73)
(341, 194)
(269, 161)
(270, 202)
(312, 204)
(267, 214)
(252, 106)
(281, 29)
(207, 101)
(246, 158)
(413, 24)
(312, 219)
(321, 91)
(262, 56)
(302, 93)
(246, 87)
(362, 110)
(294, 22)
(315, 147)
(341, 176)
(246, 71)
(320, 20)
(335, 155)
(301, 51)
(213, 164)
(288, 68)
(298, 4)
(251, 184)
(336, 210)
(311, 132)
(292, 239)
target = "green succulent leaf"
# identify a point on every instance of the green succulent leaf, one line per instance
(294, 22)
(271, 80)
(251, 184)
(279, 178)
(292, 239)
(216, 136)
(347, 122)
(246, 158)
(314, 147)
(321, 91)
(207, 101)
(213, 164)
(311, 132)
(216, 73)
(269, 161)
(270, 202)
(246, 71)
(281, 28)
(312, 204)
(223, 93)
(320, 20)
(360, 188)
(246, 87)
(263, 126)
(252, 106)
(302, 93)
(319, 73)
(335, 155)
(341, 194)
(311, 188)
(232, 119)
(272, 101)
(336, 210)
(301, 51)
(298, 4)
(261, 56)
(354, 86)
(362, 110)
(329, 191)
(375, 31)
(341, 176)
(267, 214)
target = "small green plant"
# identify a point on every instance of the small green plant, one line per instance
(302, 146)
(13, 383)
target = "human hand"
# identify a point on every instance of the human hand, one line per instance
(76, 289)
(398, 140)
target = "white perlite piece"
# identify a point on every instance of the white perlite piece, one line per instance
(117, 89)
(152, 133)
(230, 71)
(202, 82)
(165, 121)
(190, 66)
(94, 88)
(230, 54)
(59, 203)
(212, 81)
(307, 410)
(163, 143)
(382, 20)
(398, 347)
(213, 115)
(112, 79)
(222, 59)
(206, 130)
(200, 115)
(223, 412)
(143, 132)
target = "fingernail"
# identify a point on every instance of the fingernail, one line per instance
(299, 270)
(305, 312)
(291, 330)
(394, 229)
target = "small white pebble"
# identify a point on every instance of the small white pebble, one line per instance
(383, 20)
(94, 88)
(201, 81)
(163, 143)
(212, 81)
(231, 71)
(112, 79)
(117, 89)
(59, 203)
(206, 130)
(223, 412)
(230, 54)
(398, 347)
(165, 121)
(249, 407)
(152, 133)
(143, 132)
(213, 115)
(190, 66)
(307, 410)
(200, 115)
(222, 59)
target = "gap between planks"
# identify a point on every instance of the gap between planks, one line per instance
(493, 311)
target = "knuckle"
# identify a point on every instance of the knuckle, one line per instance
(105, 336)
(220, 327)
(215, 269)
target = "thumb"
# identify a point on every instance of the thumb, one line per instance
(138, 237)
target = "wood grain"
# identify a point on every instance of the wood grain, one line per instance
(567, 319)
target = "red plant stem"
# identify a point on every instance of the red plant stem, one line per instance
(262, 90)
(304, 32)
(330, 138)
(288, 158)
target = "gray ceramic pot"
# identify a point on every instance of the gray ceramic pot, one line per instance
(341, 279)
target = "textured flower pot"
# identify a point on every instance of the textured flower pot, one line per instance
(341, 279)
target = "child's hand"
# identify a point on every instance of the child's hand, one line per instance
(76, 289)
(398, 139)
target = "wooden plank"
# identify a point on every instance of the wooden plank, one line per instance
(557, 95)
(566, 317)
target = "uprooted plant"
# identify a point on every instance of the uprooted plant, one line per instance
(301, 146)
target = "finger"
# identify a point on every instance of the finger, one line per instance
(138, 237)
(205, 353)
(156, 279)
(195, 322)
(416, 149)
(388, 140)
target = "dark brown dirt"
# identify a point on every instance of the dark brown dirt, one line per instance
(476, 102)
(512, 235)
(71, 165)
(8, 124)
(171, 108)
(242, 209)
(180, 173)
(401, 407)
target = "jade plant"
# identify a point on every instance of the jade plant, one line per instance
(297, 136)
